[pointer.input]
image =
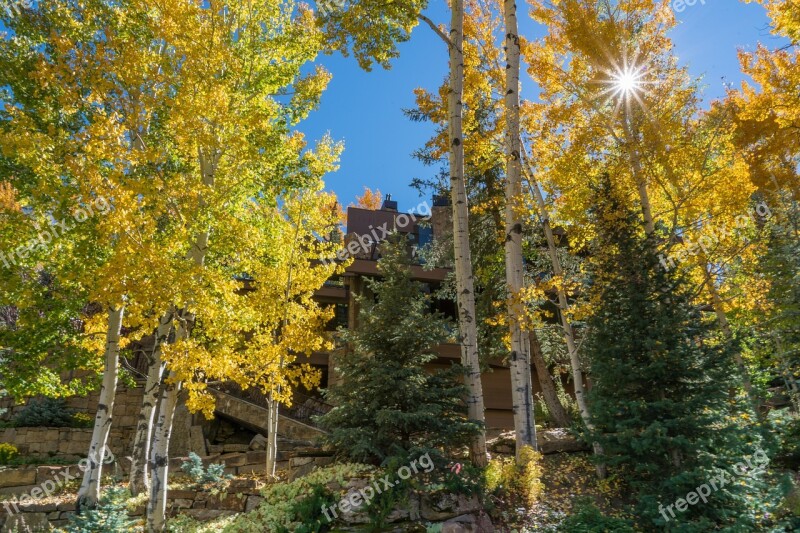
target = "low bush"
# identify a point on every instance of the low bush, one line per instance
(82, 420)
(7, 453)
(587, 518)
(45, 412)
(110, 515)
(213, 476)
(516, 482)
(297, 506)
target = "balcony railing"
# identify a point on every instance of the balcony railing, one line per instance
(303, 409)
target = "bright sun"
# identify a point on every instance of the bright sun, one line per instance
(627, 82)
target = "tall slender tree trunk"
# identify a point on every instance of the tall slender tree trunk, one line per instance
(89, 492)
(139, 476)
(465, 284)
(722, 320)
(273, 404)
(546, 382)
(272, 436)
(519, 358)
(159, 456)
(156, 509)
(631, 140)
(566, 325)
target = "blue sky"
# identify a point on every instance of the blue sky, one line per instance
(364, 109)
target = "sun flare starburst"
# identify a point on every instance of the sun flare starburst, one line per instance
(626, 84)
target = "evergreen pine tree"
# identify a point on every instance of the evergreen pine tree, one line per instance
(661, 377)
(389, 408)
(110, 516)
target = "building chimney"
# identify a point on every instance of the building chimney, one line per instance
(441, 200)
(389, 204)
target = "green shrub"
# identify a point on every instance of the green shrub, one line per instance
(214, 475)
(110, 516)
(310, 510)
(521, 482)
(792, 502)
(297, 505)
(398, 409)
(44, 412)
(7, 453)
(786, 428)
(586, 518)
(181, 524)
(82, 420)
(468, 480)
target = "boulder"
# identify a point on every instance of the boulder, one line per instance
(15, 477)
(226, 502)
(556, 440)
(252, 503)
(559, 440)
(300, 471)
(444, 506)
(469, 523)
(28, 522)
(259, 442)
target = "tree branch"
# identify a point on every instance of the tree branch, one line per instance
(436, 29)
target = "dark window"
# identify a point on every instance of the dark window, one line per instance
(339, 318)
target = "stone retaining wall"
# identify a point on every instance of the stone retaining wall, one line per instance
(127, 403)
(64, 443)
(240, 495)
(24, 498)
(19, 480)
(73, 443)
(458, 514)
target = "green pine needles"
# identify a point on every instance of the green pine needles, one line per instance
(663, 382)
(212, 476)
(110, 515)
(388, 405)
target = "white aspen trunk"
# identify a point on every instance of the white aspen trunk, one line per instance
(156, 508)
(566, 325)
(463, 257)
(139, 477)
(159, 457)
(519, 358)
(638, 174)
(89, 492)
(273, 405)
(272, 437)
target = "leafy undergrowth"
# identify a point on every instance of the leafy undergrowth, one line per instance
(568, 483)
(574, 500)
(296, 506)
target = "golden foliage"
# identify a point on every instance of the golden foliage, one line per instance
(370, 199)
